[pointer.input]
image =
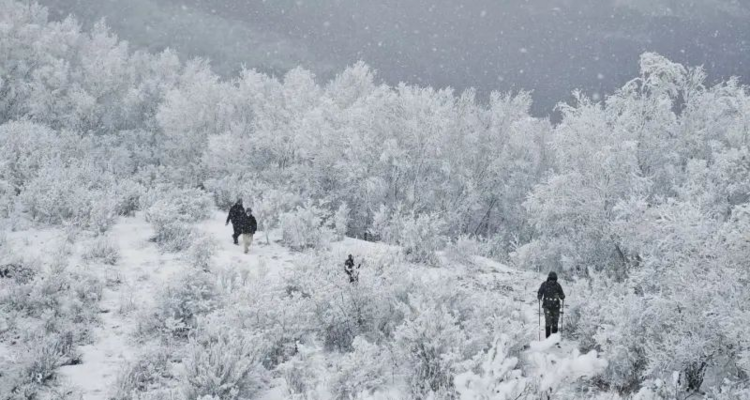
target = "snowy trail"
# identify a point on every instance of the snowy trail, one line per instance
(262, 258)
(133, 284)
(522, 287)
(130, 284)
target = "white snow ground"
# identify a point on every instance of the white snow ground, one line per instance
(137, 277)
(133, 283)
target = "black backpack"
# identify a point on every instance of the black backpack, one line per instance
(551, 295)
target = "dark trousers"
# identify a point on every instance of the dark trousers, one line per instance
(551, 317)
(236, 233)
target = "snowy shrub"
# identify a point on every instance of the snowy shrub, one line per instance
(419, 235)
(222, 362)
(103, 249)
(48, 355)
(101, 215)
(279, 314)
(559, 375)
(7, 199)
(343, 311)
(19, 271)
(172, 235)
(45, 353)
(429, 346)
(730, 390)
(171, 232)
(62, 299)
(171, 211)
(608, 318)
(422, 236)
(386, 225)
(341, 221)
(464, 249)
(75, 194)
(25, 147)
(227, 189)
(201, 251)
(304, 228)
(303, 373)
(186, 298)
(128, 195)
(145, 373)
(498, 376)
(187, 205)
(271, 205)
(362, 371)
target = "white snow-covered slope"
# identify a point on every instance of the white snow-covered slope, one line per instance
(133, 283)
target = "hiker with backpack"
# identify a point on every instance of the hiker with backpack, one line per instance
(247, 226)
(550, 295)
(350, 270)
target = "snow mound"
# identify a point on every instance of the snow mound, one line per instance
(544, 345)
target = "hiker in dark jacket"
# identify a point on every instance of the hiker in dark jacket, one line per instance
(550, 294)
(247, 226)
(349, 269)
(236, 215)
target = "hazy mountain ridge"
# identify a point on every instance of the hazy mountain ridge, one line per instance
(548, 48)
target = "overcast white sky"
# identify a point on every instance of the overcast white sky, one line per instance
(548, 46)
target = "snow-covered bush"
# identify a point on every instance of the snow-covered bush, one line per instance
(227, 189)
(128, 194)
(498, 376)
(103, 249)
(281, 315)
(172, 235)
(201, 251)
(25, 148)
(429, 344)
(145, 373)
(171, 232)
(181, 303)
(464, 249)
(49, 312)
(76, 194)
(343, 311)
(341, 221)
(271, 205)
(48, 354)
(565, 375)
(171, 211)
(101, 215)
(222, 362)
(607, 317)
(305, 228)
(421, 236)
(189, 205)
(66, 298)
(362, 371)
(303, 373)
(7, 198)
(730, 390)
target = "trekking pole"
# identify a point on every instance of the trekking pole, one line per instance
(539, 325)
(562, 318)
